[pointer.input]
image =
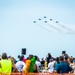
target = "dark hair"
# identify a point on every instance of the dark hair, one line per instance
(35, 57)
(66, 57)
(61, 58)
(18, 56)
(4, 56)
(49, 55)
(21, 58)
(57, 59)
(71, 60)
(30, 56)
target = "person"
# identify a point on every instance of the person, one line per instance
(56, 61)
(73, 66)
(27, 66)
(20, 64)
(66, 59)
(37, 65)
(13, 60)
(18, 58)
(32, 58)
(62, 67)
(24, 59)
(48, 57)
(70, 62)
(42, 62)
(51, 66)
(0, 57)
(5, 64)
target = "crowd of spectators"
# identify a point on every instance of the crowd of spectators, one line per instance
(32, 64)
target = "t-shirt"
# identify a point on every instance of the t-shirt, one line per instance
(6, 66)
(19, 65)
(63, 67)
(27, 66)
(51, 67)
(32, 64)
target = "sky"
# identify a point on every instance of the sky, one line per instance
(18, 30)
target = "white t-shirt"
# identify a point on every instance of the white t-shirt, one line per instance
(38, 63)
(51, 67)
(19, 65)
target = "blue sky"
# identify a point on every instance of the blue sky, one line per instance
(18, 31)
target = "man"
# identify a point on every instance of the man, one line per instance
(5, 64)
(62, 67)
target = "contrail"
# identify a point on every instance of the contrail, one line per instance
(41, 26)
(63, 26)
(53, 26)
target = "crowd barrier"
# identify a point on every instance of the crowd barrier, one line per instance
(35, 74)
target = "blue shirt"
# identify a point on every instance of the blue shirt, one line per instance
(63, 67)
